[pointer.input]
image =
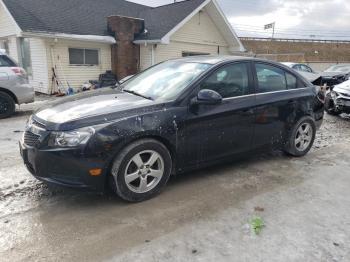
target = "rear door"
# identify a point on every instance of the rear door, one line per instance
(277, 101)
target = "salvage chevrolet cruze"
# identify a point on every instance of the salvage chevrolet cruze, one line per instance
(176, 116)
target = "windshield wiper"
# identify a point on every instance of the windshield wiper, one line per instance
(138, 94)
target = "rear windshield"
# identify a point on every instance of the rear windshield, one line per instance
(6, 61)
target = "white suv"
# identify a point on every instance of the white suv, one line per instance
(14, 86)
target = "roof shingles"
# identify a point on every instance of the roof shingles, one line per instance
(89, 17)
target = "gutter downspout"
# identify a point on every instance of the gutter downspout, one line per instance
(152, 55)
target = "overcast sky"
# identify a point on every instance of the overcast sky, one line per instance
(318, 19)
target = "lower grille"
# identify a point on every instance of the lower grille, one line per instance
(30, 139)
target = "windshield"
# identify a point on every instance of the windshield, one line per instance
(165, 81)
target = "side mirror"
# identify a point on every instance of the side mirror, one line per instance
(208, 97)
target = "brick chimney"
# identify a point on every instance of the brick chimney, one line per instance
(125, 54)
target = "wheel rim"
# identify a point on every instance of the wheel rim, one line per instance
(303, 137)
(144, 171)
(4, 106)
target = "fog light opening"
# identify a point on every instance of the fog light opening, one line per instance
(95, 172)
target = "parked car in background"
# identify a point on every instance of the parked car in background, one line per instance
(336, 74)
(14, 86)
(306, 71)
(299, 67)
(338, 99)
(176, 116)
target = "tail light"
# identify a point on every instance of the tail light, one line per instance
(19, 71)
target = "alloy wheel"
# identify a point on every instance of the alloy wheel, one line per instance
(144, 171)
(303, 137)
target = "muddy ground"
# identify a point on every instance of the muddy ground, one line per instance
(200, 216)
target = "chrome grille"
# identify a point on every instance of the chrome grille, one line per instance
(30, 139)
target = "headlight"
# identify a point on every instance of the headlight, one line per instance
(334, 94)
(71, 138)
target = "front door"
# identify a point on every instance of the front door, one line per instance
(226, 128)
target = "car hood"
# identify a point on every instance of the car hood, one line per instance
(93, 104)
(331, 74)
(343, 87)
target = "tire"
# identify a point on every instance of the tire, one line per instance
(300, 149)
(330, 107)
(147, 163)
(7, 105)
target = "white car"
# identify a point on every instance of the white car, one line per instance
(338, 99)
(14, 86)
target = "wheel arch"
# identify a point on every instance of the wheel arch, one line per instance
(171, 148)
(11, 94)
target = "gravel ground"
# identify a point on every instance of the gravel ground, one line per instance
(200, 216)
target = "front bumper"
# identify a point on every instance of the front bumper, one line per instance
(343, 104)
(63, 167)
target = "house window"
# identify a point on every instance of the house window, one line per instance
(79, 56)
(25, 55)
(4, 44)
(184, 54)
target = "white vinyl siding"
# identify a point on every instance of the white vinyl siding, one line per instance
(145, 57)
(76, 75)
(40, 74)
(13, 47)
(198, 35)
(200, 29)
(175, 49)
(7, 25)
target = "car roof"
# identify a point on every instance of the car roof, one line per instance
(213, 60)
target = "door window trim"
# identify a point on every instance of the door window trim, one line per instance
(266, 93)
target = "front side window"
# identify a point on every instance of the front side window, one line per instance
(166, 80)
(229, 81)
(78, 56)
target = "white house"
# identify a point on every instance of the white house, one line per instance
(71, 38)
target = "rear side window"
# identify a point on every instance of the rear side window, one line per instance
(271, 79)
(6, 62)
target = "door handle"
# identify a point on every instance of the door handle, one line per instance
(292, 102)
